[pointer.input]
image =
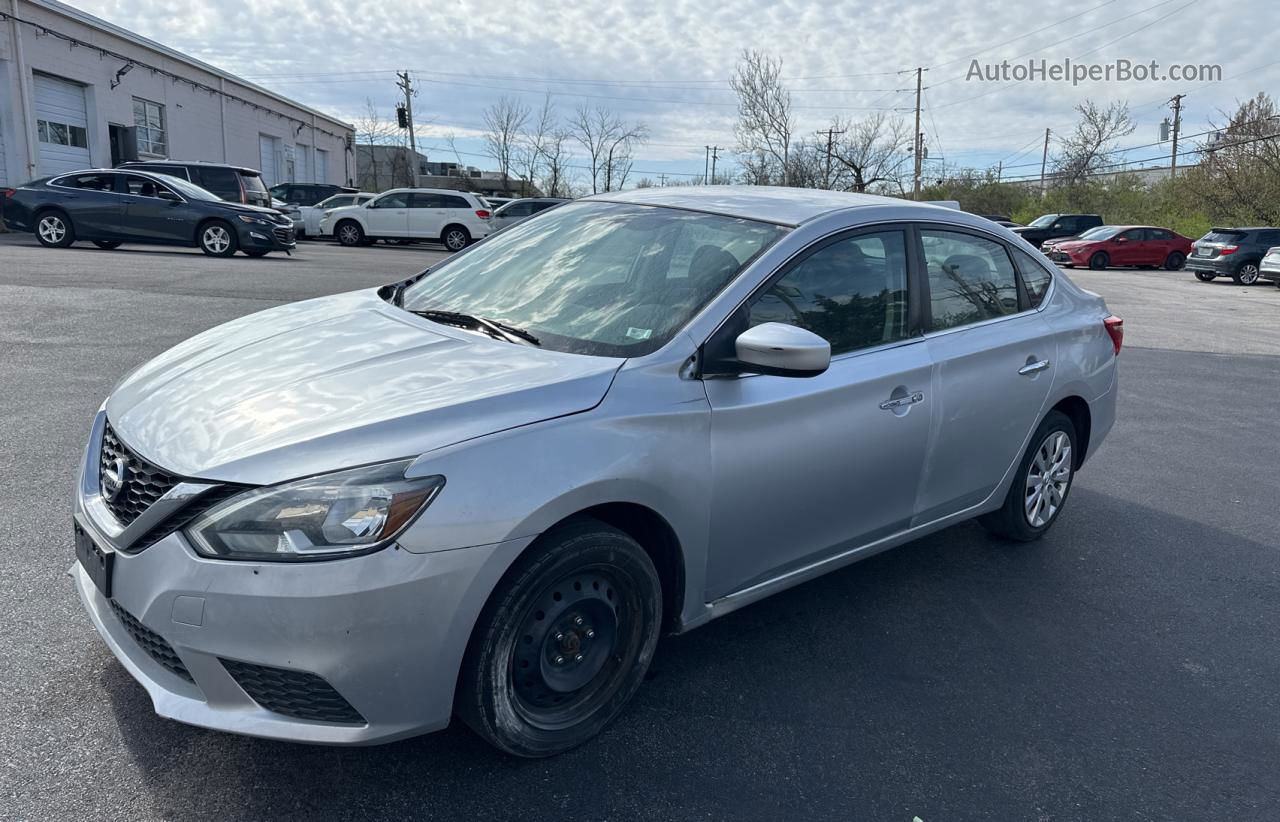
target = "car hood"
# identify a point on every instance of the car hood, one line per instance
(243, 208)
(336, 382)
(1072, 245)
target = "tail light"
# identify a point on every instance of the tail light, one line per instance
(1115, 328)
(482, 214)
(1227, 249)
(8, 192)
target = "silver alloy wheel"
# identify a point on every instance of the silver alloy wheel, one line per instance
(455, 240)
(1048, 478)
(216, 239)
(1248, 274)
(349, 235)
(52, 229)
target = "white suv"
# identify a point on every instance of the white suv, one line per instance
(454, 218)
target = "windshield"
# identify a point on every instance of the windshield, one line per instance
(1040, 222)
(608, 279)
(189, 190)
(1102, 232)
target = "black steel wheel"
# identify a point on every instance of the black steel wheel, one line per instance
(564, 641)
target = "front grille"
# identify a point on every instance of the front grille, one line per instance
(151, 642)
(284, 235)
(143, 483)
(297, 694)
(185, 515)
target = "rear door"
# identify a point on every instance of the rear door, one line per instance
(994, 360)
(426, 215)
(91, 200)
(388, 216)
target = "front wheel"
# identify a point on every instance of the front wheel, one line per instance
(54, 230)
(218, 239)
(1246, 274)
(107, 244)
(1041, 485)
(1205, 276)
(564, 641)
(455, 238)
(256, 253)
(1099, 261)
(1174, 261)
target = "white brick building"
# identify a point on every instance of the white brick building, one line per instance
(77, 92)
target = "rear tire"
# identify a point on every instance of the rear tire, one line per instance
(1205, 276)
(217, 239)
(564, 641)
(455, 237)
(256, 253)
(1245, 274)
(349, 233)
(54, 229)
(1099, 261)
(1040, 485)
(1174, 261)
(107, 244)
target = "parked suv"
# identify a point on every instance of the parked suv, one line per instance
(307, 194)
(1232, 252)
(1052, 226)
(235, 184)
(455, 218)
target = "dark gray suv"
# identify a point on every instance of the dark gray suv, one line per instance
(1232, 252)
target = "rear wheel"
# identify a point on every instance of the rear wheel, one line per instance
(218, 239)
(1246, 274)
(1041, 485)
(107, 244)
(1099, 261)
(54, 230)
(1174, 261)
(564, 641)
(349, 232)
(1204, 276)
(256, 253)
(455, 237)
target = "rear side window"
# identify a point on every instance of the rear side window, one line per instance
(852, 293)
(1035, 277)
(971, 279)
(419, 199)
(88, 182)
(221, 181)
(1158, 234)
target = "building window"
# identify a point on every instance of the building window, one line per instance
(61, 134)
(149, 118)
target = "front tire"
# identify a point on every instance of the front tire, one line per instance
(1041, 484)
(564, 641)
(218, 239)
(54, 230)
(349, 233)
(1099, 261)
(256, 253)
(455, 238)
(1245, 274)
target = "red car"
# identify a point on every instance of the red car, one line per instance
(1116, 245)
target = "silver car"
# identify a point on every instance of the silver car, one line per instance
(517, 211)
(486, 491)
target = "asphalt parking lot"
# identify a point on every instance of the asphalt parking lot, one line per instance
(1125, 667)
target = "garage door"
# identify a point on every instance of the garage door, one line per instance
(267, 152)
(62, 125)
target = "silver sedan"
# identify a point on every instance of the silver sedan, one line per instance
(486, 491)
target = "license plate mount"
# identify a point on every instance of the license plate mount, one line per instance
(97, 562)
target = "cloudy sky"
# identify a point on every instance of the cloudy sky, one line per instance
(666, 63)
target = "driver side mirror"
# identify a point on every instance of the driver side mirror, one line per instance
(782, 350)
(1122, 239)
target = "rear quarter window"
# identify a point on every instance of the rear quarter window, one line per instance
(221, 181)
(1035, 277)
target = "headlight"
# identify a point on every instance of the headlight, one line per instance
(249, 218)
(333, 515)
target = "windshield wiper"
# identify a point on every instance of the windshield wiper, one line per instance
(496, 329)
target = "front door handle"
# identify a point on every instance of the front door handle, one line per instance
(1033, 368)
(902, 402)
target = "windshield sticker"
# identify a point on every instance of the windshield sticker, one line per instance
(639, 333)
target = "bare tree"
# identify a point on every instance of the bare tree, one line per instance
(370, 130)
(556, 176)
(609, 142)
(870, 153)
(1093, 142)
(765, 124)
(1239, 175)
(504, 121)
(530, 148)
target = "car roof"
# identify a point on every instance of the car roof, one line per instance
(771, 204)
(429, 191)
(241, 169)
(141, 171)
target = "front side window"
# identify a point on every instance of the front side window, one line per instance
(140, 186)
(595, 278)
(852, 293)
(1043, 221)
(516, 210)
(970, 278)
(149, 119)
(1133, 235)
(338, 201)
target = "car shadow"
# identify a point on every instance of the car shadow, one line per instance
(954, 672)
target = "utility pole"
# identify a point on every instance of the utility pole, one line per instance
(999, 170)
(1044, 160)
(406, 85)
(706, 165)
(715, 152)
(831, 133)
(919, 147)
(662, 180)
(1176, 104)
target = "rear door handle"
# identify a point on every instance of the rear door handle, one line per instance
(899, 402)
(1033, 368)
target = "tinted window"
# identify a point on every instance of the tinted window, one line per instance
(1035, 277)
(391, 201)
(852, 293)
(1133, 235)
(449, 201)
(536, 207)
(421, 200)
(220, 180)
(1269, 237)
(90, 182)
(251, 182)
(516, 210)
(970, 278)
(338, 202)
(1158, 234)
(142, 186)
(1223, 237)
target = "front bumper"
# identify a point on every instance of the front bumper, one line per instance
(275, 237)
(382, 635)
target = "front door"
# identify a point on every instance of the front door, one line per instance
(149, 217)
(995, 360)
(388, 216)
(804, 468)
(1128, 248)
